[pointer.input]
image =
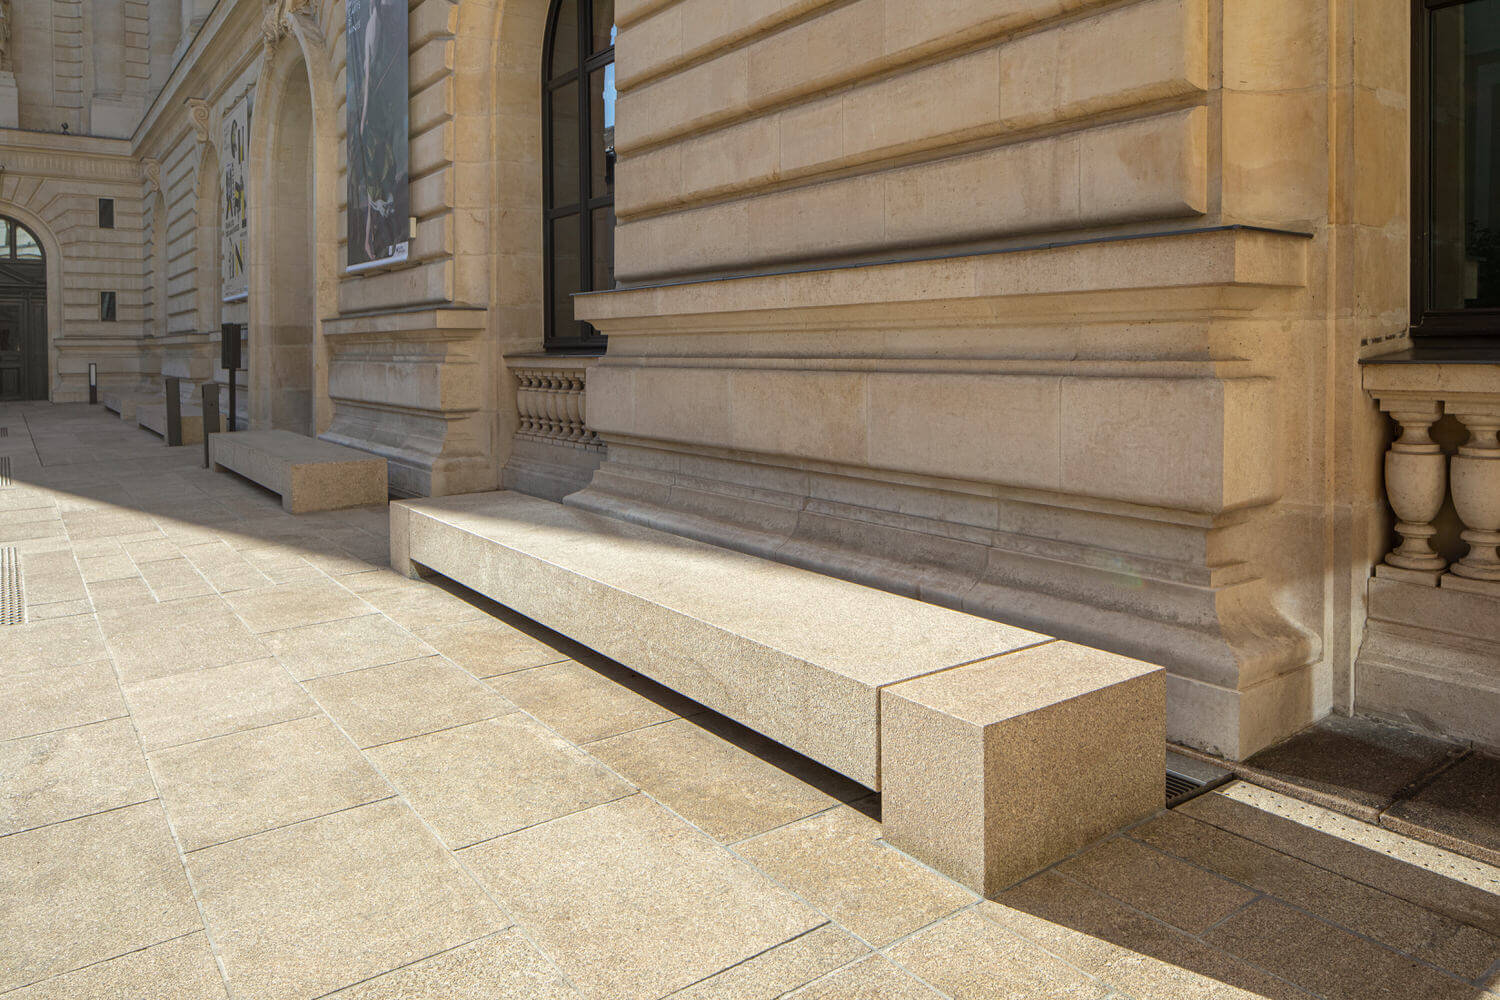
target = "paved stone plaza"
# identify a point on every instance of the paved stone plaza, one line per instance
(241, 757)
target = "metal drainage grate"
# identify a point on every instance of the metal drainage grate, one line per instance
(5, 470)
(1187, 778)
(4, 432)
(12, 600)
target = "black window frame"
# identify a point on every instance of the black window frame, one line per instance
(588, 339)
(106, 213)
(1427, 322)
(108, 307)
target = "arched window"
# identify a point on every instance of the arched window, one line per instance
(17, 242)
(578, 164)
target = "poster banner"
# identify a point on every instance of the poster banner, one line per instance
(379, 202)
(234, 225)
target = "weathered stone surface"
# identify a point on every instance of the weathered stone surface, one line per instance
(309, 474)
(995, 770)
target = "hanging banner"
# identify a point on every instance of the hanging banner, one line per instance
(379, 202)
(234, 224)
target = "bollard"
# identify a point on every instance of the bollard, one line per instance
(174, 411)
(210, 417)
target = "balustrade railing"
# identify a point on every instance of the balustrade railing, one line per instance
(551, 406)
(1419, 476)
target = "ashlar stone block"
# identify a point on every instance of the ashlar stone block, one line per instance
(995, 770)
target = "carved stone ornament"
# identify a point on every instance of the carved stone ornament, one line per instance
(202, 115)
(276, 24)
(151, 174)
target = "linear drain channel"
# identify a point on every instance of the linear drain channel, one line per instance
(12, 599)
(1187, 778)
(5, 470)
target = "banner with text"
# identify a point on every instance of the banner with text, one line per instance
(234, 225)
(379, 201)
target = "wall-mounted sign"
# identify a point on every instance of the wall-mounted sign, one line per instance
(234, 224)
(379, 201)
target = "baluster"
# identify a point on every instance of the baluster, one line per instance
(1415, 484)
(1475, 472)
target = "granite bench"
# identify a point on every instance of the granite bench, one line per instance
(309, 474)
(126, 402)
(997, 750)
(153, 416)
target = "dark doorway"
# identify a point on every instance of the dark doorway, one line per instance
(23, 314)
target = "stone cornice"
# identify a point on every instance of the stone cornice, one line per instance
(53, 154)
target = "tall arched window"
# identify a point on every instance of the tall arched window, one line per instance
(578, 164)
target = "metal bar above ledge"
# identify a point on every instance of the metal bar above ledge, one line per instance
(1432, 637)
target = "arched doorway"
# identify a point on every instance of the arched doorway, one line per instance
(292, 305)
(23, 313)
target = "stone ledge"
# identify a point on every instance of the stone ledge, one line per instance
(798, 656)
(819, 664)
(1213, 259)
(309, 474)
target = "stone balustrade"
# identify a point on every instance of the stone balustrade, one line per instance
(554, 452)
(1420, 475)
(551, 405)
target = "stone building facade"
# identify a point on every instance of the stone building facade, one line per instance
(1052, 311)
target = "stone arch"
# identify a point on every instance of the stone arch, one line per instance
(293, 162)
(52, 252)
(516, 199)
(207, 247)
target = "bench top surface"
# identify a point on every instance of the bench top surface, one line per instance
(870, 635)
(297, 449)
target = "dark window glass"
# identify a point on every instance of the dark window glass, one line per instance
(26, 245)
(1456, 279)
(578, 115)
(106, 213)
(107, 306)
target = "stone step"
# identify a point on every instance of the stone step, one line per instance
(1002, 749)
(308, 474)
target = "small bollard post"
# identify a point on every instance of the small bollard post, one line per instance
(229, 360)
(210, 418)
(93, 383)
(174, 411)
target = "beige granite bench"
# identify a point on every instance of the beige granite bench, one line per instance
(153, 416)
(309, 474)
(126, 402)
(997, 750)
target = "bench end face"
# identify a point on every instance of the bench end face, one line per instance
(992, 802)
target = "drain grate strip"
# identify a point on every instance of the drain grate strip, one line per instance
(1187, 778)
(12, 599)
(4, 432)
(5, 470)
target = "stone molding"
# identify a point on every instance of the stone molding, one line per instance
(151, 174)
(276, 23)
(201, 115)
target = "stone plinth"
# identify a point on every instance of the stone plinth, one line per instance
(993, 771)
(309, 474)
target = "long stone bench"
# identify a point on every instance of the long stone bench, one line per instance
(126, 402)
(997, 750)
(309, 474)
(153, 416)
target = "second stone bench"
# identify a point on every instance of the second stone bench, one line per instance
(309, 474)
